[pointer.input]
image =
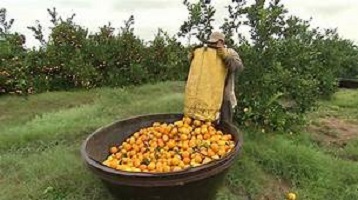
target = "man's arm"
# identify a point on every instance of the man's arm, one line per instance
(231, 59)
(234, 61)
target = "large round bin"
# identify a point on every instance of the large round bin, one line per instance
(199, 183)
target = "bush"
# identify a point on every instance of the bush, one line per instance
(166, 59)
(288, 64)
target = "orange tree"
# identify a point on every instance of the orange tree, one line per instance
(288, 64)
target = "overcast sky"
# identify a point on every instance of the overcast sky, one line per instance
(167, 14)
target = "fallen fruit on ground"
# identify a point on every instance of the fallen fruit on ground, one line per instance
(170, 147)
(291, 196)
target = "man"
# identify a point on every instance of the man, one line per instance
(232, 62)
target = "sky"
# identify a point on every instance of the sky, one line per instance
(166, 14)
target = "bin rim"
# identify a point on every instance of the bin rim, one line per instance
(99, 166)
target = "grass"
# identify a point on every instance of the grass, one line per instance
(343, 104)
(40, 139)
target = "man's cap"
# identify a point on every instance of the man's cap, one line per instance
(215, 37)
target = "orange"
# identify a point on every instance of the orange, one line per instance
(106, 163)
(204, 129)
(125, 160)
(177, 168)
(185, 145)
(171, 144)
(179, 123)
(175, 161)
(155, 124)
(221, 152)
(130, 163)
(165, 138)
(199, 142)
(192, 143)
(118, 155)
(136, 135)
(185, 154)
(166, 148)
(206, 160)
(190, 150)
(157, 128)
(151, 166)
(153, 145)
(198, 158)
(132, 153)
(181, 164)
(144, 138)
(160, 143)
(291, 196)
(136, 148)
(171, 153)
(131, 140)
(212, 130)
(176, 149)
(167, 130)
(177, 156)
(161, 130)
(186, 131)
(214, 138)
(206, 136)
(165, 162)
(159, 169)
(186, 160)
(221, 143)
(140, 156)
(232, 145)
(158, 134)
(126, 168)
(183, 137)
(143, 149)
(159, 164)
(136, 169)
(226, 138)
(192, 156)
(139, 141)
(187, 120)
(174, 131)
(137, 163)
(204, 152)
(214, 147)
(166, 168)
(197, 123)
(119, 167)
(113, 164)
(211, 153)
(200, 137)
(216, 157)
(113, 150)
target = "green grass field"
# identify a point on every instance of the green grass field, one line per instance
(40, 139)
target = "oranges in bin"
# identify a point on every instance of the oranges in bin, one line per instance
(170, 147)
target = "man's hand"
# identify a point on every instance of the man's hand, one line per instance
(222, 52)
